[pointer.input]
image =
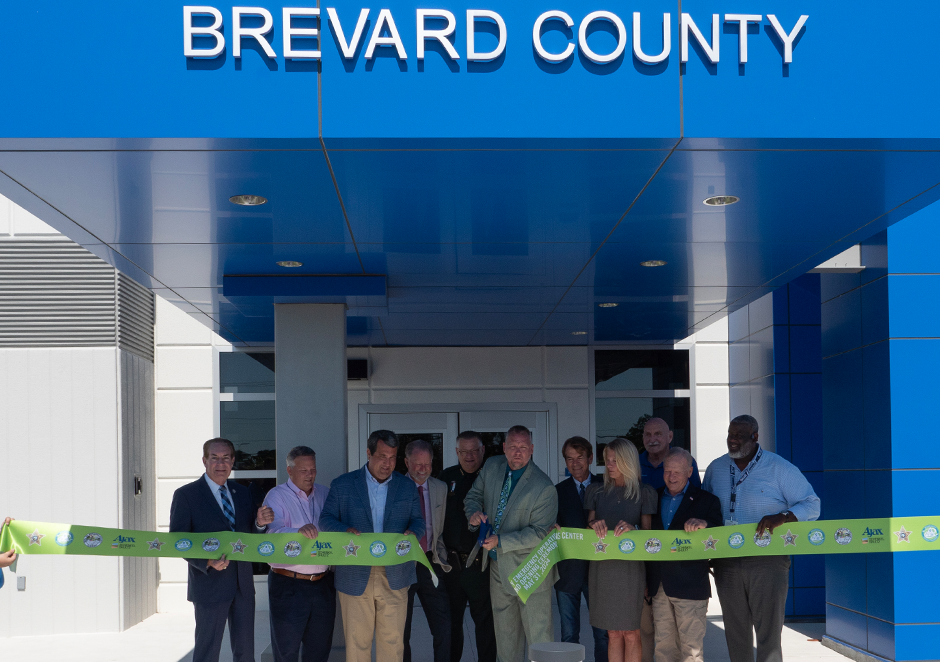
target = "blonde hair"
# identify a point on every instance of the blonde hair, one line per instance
(628, 462)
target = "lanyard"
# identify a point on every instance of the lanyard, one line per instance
(747, 472)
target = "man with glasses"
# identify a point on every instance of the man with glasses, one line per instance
(466, 584)
(221, 590)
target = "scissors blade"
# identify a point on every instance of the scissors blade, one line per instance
(484, 532)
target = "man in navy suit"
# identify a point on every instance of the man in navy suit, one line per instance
(573, 573)
(374, 599)
(221, 590)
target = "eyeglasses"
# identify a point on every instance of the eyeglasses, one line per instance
(473, 452)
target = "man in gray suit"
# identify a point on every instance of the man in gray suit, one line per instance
(434, 601)
(521, 504)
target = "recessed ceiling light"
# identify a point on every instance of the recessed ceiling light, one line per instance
(579, 333)
(248, 200)
(608, 305)
(721, 200)
(653, 263)
(290, 263)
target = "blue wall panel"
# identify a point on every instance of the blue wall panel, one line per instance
(880, 356)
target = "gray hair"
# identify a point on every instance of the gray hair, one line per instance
(417, 446)
(387, 437)
(679, 452)
(299, 451)
(746, 419)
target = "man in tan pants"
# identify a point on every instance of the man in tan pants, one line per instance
(680, 589)
(373, 499)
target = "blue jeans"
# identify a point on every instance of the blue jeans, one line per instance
(569, 608)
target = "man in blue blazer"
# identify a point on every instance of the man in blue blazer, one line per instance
(221, 590)
(374, 599)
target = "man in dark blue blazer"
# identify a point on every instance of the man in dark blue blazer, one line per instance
(374, 599)
(221, 590)
(573, 573)
(680, 589)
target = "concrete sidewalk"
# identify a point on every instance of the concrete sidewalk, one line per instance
(169, 638)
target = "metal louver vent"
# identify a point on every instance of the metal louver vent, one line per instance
(135, 317)
(54, 293)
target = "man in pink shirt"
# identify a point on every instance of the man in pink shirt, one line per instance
(302, 597)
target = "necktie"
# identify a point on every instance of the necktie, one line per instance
(427, 520)
(503, 498)
(581, 492)
(227, 508)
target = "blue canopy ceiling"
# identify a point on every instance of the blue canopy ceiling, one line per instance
(504, 202)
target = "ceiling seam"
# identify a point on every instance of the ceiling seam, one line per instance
(110, 247)
(805, 260)
(606, 238)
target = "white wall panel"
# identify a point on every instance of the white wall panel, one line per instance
(58, 440)
(566, 366)
(456, 396)
(456, 366)
(711, 363)
(711, 424)
(165, 489)
(174, 327)
(184, 421)
(184, 367)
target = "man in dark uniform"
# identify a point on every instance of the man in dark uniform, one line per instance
(466, 584)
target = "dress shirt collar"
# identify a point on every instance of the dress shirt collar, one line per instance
(586, 482)
(424, 484)
(299, 492)
(675, 496)
(374, 480)
(214, 486)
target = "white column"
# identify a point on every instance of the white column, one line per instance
(310, 382)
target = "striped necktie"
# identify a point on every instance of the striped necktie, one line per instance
(227, 508)
(581, 491)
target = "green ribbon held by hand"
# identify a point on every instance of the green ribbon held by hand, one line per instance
(381, 549)
(850, 536)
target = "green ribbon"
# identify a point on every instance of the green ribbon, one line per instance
(369, 549)
(847, 536)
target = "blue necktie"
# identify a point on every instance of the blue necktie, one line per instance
(581, 491)
(227, 508)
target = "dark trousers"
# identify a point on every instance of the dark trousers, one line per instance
(302, 613)
(753, 596)
(436, 609)
(470, 585)
(210, 626)
(569, 610)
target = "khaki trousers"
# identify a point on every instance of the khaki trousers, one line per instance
(517, 623)
(680, 628)
(379, 611)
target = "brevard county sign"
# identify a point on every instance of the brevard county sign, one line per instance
(204, 34)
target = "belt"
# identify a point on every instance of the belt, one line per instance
(299, 575)
(463, 557)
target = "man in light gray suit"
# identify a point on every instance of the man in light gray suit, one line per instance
(434, 601)
(521, 504)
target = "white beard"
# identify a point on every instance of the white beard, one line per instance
(745, 450)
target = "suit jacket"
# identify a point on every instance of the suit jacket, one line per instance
(686, 580)
(347, 505)
(438, 493)
(529, 515)
(194, 509)
(572, 574)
